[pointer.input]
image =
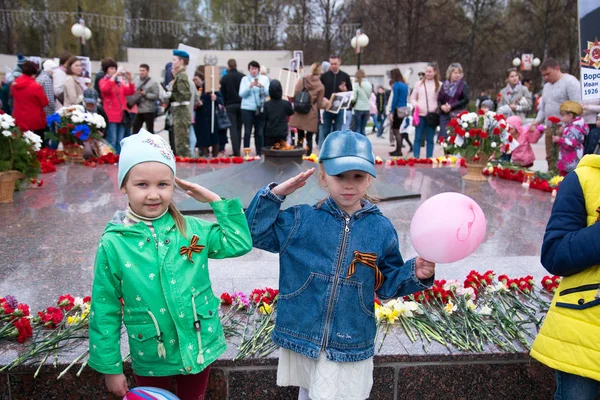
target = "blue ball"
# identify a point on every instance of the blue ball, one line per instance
(149, 393)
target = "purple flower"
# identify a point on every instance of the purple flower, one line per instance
(12, 301)
(241, 299)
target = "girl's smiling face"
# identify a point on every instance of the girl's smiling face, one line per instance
(149, 188)
(347, 189)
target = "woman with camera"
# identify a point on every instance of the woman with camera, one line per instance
(115, 85)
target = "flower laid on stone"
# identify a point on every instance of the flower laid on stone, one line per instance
(54, 328)
(14, 319)
(543, 181)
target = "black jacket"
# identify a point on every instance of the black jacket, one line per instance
(382, 99)
(277, 111)
(230, 87)
(332, 82)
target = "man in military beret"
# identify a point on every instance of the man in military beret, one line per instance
(180, 100)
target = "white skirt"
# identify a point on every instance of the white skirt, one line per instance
(325, 379)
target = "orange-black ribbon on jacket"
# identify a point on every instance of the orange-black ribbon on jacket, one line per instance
(194, 247)
(367, 259)
(598, 211)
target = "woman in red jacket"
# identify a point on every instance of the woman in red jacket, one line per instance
(29, 101)
(115, 85)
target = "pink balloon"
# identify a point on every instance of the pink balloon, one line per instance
(447, 228)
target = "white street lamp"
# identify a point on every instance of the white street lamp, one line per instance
(362, 41)
(78, 30)
(516, 61)
(87, 34)
(536, 62)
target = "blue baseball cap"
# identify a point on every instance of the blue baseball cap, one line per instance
(344, 151)
(181, 54)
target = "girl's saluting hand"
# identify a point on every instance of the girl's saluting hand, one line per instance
(198, 192)
(424, 269)
(291, 185)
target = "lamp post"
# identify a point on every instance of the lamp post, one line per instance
(80, 31)
(358, 42)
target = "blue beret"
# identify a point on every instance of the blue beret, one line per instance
(181, 54)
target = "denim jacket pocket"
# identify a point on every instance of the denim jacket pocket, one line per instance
(580, 297)
(305, 303)
(353, 323)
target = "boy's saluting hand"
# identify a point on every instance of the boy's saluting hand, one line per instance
(198, 192)
(291, 185)
(424, 269)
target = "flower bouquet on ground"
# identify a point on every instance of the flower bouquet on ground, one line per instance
(76, 128)
(53, 329)
(17, 156)
(477, 137)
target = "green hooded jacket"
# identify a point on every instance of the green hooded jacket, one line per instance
(169, 309)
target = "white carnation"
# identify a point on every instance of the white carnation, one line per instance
(467, 135)
(99, 121)
(33, 139)
(465, 125)
(7, 133)
(494, 145)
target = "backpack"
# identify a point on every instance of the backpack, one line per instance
(302, 103)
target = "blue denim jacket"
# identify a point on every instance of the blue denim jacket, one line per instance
(325, 301)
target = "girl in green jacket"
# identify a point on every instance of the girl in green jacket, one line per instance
(151, 274)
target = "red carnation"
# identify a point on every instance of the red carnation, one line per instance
(70, 126)
(483, 134)
(510, 138)
(452, 139)
(476, 143)
(554, 119)
(226, 299)
(7, 309)
(480, 112)
(23, 326)
(87, 299)
(66, 302)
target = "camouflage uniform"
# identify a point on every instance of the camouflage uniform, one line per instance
(181, 114)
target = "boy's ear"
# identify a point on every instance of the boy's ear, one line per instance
(123, 190)
(322, 178)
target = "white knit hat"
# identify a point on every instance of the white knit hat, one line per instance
(49, 65)
(143, 147)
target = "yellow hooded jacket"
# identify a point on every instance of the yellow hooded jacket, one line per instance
(569, 338)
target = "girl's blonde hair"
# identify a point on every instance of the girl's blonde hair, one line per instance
(360, 75)
(175, 213)
(366, 196)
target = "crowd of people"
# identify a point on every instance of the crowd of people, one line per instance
(255, 106)
(173, 323)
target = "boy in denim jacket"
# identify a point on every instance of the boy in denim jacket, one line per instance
(334, 256)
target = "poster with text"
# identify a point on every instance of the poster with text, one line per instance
(589, 36)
